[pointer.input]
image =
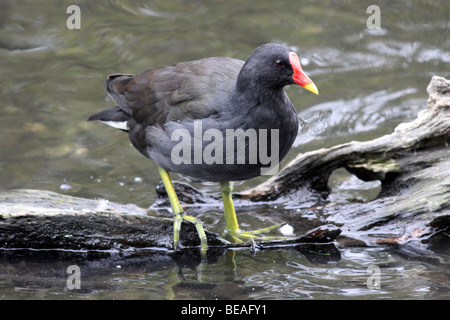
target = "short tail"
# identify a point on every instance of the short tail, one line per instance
(114, 117)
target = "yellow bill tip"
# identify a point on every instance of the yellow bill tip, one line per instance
(311, 87)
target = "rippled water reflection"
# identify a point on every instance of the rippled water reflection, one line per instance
(52, 81)
(239, 275)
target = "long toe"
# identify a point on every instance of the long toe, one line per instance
(239, 236)
(200, 231)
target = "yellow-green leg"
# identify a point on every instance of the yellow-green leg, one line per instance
(233, 231)
(179, 216)
(228, 208)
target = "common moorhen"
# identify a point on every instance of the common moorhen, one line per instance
(215, 119)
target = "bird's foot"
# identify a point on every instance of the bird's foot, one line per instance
(238, 236)
(178, 219)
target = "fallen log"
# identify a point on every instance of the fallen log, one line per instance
(47, 220)
(412, 163)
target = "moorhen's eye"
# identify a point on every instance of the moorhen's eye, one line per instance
(279, 63)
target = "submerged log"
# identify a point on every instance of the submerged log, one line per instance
(412, 163)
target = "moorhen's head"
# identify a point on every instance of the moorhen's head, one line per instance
(274, 66)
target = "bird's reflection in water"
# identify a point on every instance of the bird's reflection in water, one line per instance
(191, 278)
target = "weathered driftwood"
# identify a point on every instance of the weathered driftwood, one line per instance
(412, 163)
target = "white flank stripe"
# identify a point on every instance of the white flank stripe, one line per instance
(122, 125)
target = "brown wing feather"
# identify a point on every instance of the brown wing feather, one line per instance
(189, 90)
